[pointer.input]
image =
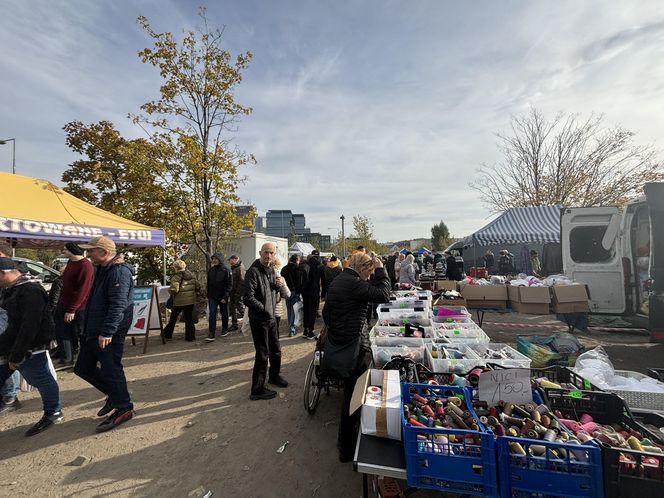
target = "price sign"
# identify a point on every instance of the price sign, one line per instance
(512, 384)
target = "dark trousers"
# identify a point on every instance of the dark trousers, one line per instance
(36, 373)
(103, 369)
(189, 327)
(213, 304)
(266, 342)
(68, 334)
(310, 303)
(348, 423)
(236, 308)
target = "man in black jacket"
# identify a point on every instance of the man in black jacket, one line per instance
(311, 293)
(219, 285)
(293, 276)
(235, 305)
(261, 285)
(25, 342)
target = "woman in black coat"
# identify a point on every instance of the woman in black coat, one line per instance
(345, 315)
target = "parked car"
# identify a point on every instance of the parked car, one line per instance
(45, 274)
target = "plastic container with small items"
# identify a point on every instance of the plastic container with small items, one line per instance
(448, 358)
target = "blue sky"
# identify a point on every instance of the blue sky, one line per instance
(383, 108)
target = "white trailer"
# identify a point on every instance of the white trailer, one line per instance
(247, 246)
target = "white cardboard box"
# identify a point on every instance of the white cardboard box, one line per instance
(384, 420)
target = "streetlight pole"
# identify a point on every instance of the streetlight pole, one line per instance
(343, 235)
(13, 141)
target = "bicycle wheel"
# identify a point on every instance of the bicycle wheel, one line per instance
(311, 389)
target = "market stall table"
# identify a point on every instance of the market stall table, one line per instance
(480, 312)
(379, 457)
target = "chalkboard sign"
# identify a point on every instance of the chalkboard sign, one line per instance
(510, 384)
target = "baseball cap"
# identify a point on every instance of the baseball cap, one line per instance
(7, 264)
(100, 243)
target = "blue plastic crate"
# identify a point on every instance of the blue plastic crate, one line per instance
(462, 467)
(574, 472)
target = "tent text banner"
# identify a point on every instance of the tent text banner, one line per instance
(12, 227)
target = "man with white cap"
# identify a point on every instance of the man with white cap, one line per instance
(108, 317)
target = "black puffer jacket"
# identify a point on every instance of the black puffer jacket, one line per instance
(345, 311)
(315, 278)
(260, 292)
(294, 276)
(30, 324)
(219, 279)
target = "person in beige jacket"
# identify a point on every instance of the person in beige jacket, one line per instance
(184, 290)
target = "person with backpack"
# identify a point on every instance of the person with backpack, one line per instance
(311, 293)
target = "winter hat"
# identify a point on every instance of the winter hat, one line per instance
(179, 265)
(74, 248)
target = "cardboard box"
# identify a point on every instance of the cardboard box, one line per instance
(570, 298)
(529, 300)
(445, 285)
(485, 296)
(451, 302)
(383, 420)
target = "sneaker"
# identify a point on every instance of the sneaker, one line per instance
(278, 381)
(44, 423)
(224, 333)
(6, 407)
(233, 328)
(264, 394)
(291, 334)
(114, 419)
(311, 336)
(209, 338)
(106, 409)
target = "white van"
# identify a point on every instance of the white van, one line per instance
(618, 253)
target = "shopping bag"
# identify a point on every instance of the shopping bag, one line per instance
(246, 329)
(298, 310)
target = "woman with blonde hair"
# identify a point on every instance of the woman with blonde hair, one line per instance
(284, 293)
(184, 290)
(407, 272)
(347, 351)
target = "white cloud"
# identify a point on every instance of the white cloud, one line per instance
(379, 108)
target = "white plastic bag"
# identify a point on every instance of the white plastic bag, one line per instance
(298, 309)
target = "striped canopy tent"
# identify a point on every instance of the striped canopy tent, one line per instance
(527, 225)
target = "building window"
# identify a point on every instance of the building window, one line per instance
(585, 245)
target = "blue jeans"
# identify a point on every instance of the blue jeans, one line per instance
(213, 304)
(11, 387)
(36, 372)
(103, 369)
(290, 303)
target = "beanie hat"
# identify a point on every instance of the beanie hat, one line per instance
(74, 248)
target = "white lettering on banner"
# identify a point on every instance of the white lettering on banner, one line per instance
(32, 226)
(80, 231)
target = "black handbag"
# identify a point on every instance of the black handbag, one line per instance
(340, 360)
(169, 303)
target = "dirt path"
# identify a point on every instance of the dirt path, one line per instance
(195, 431)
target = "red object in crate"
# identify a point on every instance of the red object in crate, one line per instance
(478, 272)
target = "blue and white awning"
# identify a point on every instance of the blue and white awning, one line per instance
(527, 225)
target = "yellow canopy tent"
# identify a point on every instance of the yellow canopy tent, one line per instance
(36, 213)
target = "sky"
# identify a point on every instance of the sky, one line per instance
(373, 107)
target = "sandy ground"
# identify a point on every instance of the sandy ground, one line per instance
(196, 430)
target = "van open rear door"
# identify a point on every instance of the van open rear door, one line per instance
(592, 255)
(655, 200)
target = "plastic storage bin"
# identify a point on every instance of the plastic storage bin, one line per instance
(409, 304)
(637, 399)
(383, 354)
(451, 365)
(514, 358)
(379, 331)
(627, 473)
(467, 467)
(468, 335)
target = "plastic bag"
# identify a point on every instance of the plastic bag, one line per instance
(298, 309)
